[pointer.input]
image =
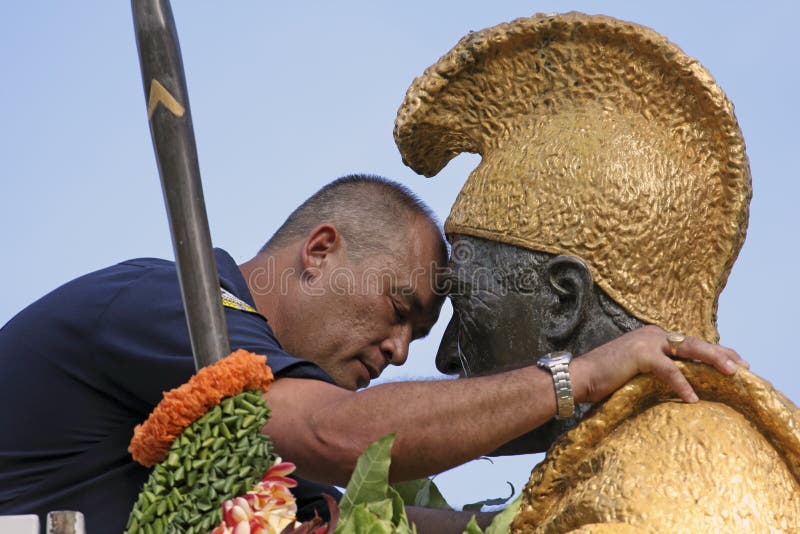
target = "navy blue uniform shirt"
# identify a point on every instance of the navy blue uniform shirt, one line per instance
(83, 365)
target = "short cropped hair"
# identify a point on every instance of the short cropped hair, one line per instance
(368, 211)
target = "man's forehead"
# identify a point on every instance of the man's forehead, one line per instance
(420, 292)
(424, 241)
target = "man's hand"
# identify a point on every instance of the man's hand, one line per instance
(601, 371)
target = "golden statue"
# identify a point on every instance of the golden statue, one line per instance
(613, 192)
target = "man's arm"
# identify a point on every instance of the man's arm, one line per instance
(441, 424)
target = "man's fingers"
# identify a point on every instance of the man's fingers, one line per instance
(646, 350)
(665, 370)
(724, 359)
(733, 355)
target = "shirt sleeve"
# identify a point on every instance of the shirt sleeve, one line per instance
(143, 341)
(250, 331)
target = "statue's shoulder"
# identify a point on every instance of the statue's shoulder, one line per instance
(730, 462)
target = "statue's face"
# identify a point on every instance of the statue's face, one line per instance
(502, 307)
(498, 306)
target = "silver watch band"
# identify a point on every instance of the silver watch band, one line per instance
(558, 365)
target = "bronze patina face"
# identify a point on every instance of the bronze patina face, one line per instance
(495, 325)
(512, 305)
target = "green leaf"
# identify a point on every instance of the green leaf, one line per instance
(370, 505)
(363, 521)
(399, 517)
(382, 509)
(472, 527)
(476, 506)
(409, 490)
(501, 523)
(422, 492)
(370, 479)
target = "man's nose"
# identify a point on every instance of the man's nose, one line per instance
(447, 359)
(395, 347)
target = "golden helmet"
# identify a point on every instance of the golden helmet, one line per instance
(599, 139)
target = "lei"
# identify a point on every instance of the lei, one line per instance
(204, 439)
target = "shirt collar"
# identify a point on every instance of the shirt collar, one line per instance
(231, 278)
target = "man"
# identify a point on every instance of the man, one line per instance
(341, 290)
(612, 193)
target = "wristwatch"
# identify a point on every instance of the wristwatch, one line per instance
(558, 365)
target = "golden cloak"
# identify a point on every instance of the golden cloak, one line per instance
(645, 462)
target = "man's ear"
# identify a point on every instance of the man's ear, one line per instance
(320, 243)
(571, 283)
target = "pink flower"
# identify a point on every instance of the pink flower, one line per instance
(268, 508)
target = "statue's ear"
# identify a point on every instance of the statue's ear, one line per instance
(571, 282)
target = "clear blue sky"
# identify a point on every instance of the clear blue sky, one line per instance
(286, 97)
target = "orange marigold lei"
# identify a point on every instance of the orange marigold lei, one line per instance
(180, 407)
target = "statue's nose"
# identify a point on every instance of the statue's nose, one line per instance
(447, 357)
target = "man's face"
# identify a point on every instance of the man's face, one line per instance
(372, 309)
(496, 313)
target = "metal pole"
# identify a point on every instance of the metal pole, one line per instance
(173, 140)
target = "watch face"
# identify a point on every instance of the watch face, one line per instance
(555, 357)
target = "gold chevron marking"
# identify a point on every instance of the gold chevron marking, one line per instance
(159, 94)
